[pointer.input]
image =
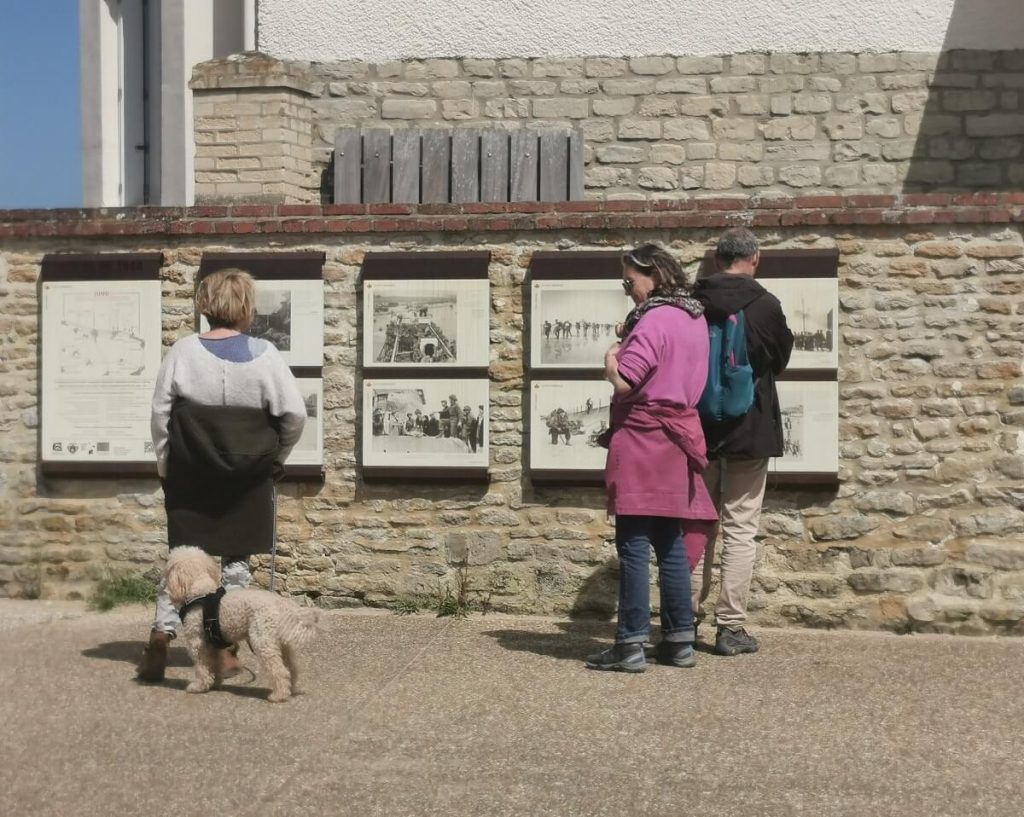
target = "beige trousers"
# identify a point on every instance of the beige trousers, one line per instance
(737, 489)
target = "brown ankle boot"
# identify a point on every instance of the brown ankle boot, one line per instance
(154, 658)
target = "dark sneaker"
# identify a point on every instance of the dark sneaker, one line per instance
(676, 654)
(734, 642)
(620, 658)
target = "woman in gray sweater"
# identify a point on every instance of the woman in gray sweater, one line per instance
(226, 413)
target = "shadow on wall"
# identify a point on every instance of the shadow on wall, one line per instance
(971, 134)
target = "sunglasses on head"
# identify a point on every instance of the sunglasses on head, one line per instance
(631, 259)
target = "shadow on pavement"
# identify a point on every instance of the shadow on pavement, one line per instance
(131, 651)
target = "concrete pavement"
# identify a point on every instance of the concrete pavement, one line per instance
(495, 715)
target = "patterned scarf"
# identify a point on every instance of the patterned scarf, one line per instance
(679, 298)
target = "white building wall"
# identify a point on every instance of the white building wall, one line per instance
(371, 30)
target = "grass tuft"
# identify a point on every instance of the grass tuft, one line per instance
(123, 588)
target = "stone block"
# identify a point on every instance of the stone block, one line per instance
(682, 85)
(657, 106)
(687, 128)
(742, 64)
(733, 85)
(841, 526)
(736, 130)
(562, 108)
(668, 154)
(812, 103)
(719, 175)
(790, 127)
(657, 178)
(397, 108)
(885, 581)
(639, 129)
(800, 175)
(605, 106)
(918, 557)
(605, 67)
(620, 154)
(628, 87)
(962, 580)
(703, 106)
(843, 126)
(964, 101)
(651, 65)
(699, 65)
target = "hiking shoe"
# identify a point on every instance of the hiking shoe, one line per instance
(734, 642)
(154, 658)
(619, 658)
(676, 654)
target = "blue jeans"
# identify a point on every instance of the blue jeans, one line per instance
(634, 537)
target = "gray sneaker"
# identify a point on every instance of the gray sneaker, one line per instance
(620, 658)
(676, 654)
(734, 642)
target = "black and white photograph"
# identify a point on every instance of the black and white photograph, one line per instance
(310, 447)
(290, 315)
(810, 427)
(811, 306)
(430, 323)
(573, 322)
(425, 423)
(567, 420)
(273, 318)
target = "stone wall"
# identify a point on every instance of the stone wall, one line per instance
(924, 533)
(743, 123)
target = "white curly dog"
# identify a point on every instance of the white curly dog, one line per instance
(273, 626)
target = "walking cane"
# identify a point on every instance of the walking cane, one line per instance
(273, 543)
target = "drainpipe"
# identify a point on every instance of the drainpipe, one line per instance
(144, 147)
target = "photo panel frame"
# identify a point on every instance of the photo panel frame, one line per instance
(289, 300)
(100, 350)
(426, 314)
(309, 450)
(806, 282)
(572, 322)
(567, 418)
(435, 323)
(410, 428)
(811, 306)
(576, 300)
(810, 428)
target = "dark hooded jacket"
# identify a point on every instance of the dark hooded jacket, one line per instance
(758, 434)
(219, 490)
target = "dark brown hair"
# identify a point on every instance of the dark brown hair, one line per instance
(659, 264)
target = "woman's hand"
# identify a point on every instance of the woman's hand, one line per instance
(611, 360)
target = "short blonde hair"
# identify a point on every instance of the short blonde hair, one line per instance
(227, 298)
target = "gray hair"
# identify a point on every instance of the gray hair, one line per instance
(735, 244)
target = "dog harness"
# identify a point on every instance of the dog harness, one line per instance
(211, 618)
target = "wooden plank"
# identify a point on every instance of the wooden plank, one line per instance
(113, 266)
(437, 166)
(494, 166)
(554, 166)
(376, 166)
(524, 163)
(405, 166)
(466, 165)
(348, 160)
(576, 190)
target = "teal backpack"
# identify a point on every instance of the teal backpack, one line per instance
(729, 392)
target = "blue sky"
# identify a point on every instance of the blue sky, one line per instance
(40, 122)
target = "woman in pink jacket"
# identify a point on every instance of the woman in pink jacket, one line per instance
(655, 457)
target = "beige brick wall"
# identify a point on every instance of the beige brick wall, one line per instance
(253, 132)
(924, 533)
(743, 123)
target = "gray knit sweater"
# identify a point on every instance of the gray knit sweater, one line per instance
(191, 372)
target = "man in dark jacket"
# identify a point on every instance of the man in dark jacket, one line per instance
(739, 448)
